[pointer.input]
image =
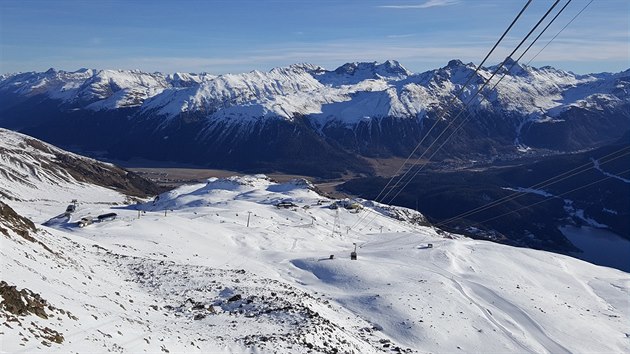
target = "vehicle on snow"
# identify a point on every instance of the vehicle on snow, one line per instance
(85, 221)
(106, 217)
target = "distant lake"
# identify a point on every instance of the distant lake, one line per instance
(599, 246)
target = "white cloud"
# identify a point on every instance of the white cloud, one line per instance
(401, 35)
(425, 5)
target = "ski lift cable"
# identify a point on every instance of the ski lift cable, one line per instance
(557, 34)
(536, 203)
(543, 184)
(470, 101)
(504, 75)
(483, 96)
(555, 196)
(452, 99)
(508, 198)
(516, 194)
(457, 116)
(548, 181)
(422, 238)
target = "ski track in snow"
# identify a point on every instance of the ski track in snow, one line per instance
(484, 298)
(518, 315)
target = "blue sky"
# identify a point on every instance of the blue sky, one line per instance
(239, 36)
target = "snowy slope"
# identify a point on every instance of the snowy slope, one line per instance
(31, 170)
(184, 273)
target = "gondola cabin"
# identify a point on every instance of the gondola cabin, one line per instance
(285, 205)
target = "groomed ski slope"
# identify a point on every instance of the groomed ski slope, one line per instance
(150, 282)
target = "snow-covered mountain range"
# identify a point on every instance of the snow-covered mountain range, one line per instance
(219, 267)
(368, 109)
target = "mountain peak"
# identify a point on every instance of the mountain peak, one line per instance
(394, 66)
(298, 68)
(306, 67)
(509, 61)
(374, 70)
(512, 65)
(455, 63)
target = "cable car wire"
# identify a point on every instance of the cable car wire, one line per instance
(472, 98)
(460, 91)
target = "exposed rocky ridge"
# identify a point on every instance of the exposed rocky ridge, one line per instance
(22, 302)
(12, 223)
(10, 220)
(18, 304)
